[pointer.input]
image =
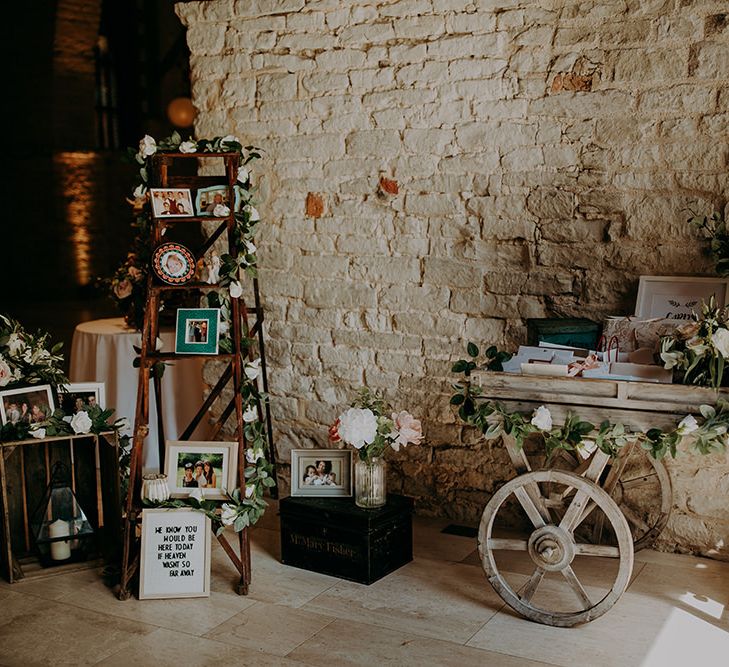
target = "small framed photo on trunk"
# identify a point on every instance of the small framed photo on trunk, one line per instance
(321, 472)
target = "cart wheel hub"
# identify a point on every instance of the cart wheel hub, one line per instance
(551, 548)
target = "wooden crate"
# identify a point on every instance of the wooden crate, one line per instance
(637, 405)
(25, 471)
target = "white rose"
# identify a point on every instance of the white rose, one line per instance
(250, 415)
(147, 146)
(229, 514)
(81, 422)
(38, 433)
(252, 455)
(253, 214)
(585, 448)
(229, 138)
(140, 191)
(236, 290)
(250, 490)
(188, 147)
(542, 418)
(221, 210)
(123, 424)
(720, 340)
(197, 494)
(358, 427)
(16, 345)
(687, 425)
(6, 375)
(253, 369)
(250, 247)
(671, 359)
(243, 175)
(223, 327)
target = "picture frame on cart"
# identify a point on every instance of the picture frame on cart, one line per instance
(678, 297)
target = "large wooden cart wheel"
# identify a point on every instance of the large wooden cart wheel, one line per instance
(641, 488)
(552, 546)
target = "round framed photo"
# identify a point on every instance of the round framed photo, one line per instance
(173, 264)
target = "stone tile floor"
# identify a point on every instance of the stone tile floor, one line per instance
(437, 610)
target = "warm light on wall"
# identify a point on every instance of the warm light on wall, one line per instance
(75, 173)
(181, 112)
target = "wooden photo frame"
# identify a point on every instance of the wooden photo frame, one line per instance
(171, 202)
(89, 393)
(32, 404)
(215, 480)
(205, 199)
(321, 472)
(197, 330)
(175, 555)
(676, 297)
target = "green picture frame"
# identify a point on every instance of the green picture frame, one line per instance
(196, 331)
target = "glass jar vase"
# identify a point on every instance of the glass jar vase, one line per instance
(370, 483)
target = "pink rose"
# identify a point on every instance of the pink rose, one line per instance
(123, 289)
(334, 432)
(134, 273)
(409, 430)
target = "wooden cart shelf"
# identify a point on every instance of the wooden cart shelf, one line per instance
(637, 405)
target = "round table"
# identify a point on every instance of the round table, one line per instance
(103, 351)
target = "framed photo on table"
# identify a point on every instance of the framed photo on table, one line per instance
(175, 554)
(209, 466)
(171, 202)
(197, 330)
(80, 394)
(29, 405)
(677, 297)
(321, 472)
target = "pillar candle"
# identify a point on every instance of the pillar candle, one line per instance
(59, 550)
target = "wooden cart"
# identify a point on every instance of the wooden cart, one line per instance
(599, 507)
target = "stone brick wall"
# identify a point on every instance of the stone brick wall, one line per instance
(439, 170)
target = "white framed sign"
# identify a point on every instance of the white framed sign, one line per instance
(677, 297)
(175, 558)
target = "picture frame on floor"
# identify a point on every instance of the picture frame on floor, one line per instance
(32, 404)
(321, 472)
(197, 330)
(175, 554)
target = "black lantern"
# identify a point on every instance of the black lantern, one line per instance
(62, 532)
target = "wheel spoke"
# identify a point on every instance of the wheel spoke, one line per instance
(531, 587)
(633, 518)
(529, 507)
(583, 549)
(573, 515)
(637, 481)
(503, 544)
(569, 574)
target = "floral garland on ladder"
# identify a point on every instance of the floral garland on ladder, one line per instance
(244, 506)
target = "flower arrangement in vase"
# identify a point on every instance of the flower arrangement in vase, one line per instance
(700, 349)
(371, 426)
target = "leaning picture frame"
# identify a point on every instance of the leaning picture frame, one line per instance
(677, 297)
(321, 472)
(31, 405)
(175, 554)
(197, 330)
(75, 395)
(210, 466)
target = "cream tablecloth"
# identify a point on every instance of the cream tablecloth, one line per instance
(102, 351)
